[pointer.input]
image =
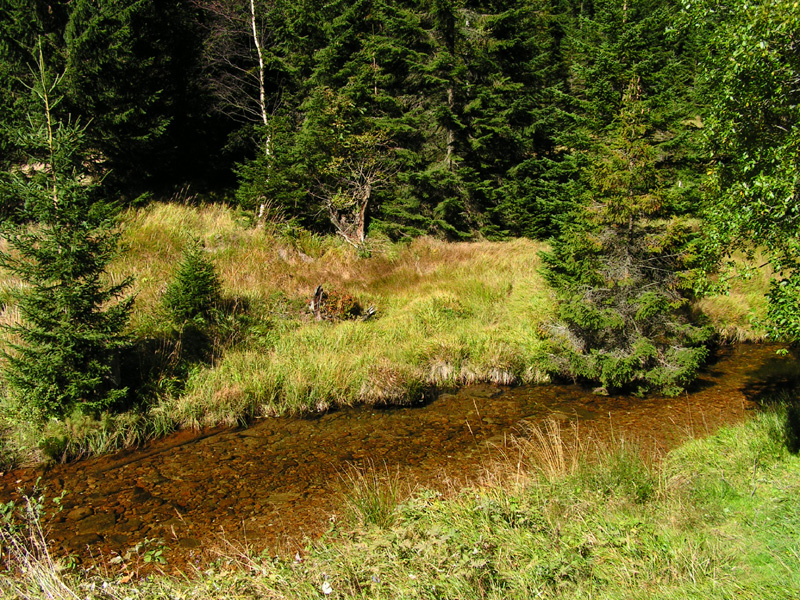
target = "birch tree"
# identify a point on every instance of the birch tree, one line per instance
(237, 37)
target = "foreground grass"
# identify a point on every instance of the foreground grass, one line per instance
(718, 518)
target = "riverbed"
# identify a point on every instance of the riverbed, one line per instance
(278, 482)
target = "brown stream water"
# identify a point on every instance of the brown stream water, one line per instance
(280, 480)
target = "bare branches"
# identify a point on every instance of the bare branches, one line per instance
(236, 38)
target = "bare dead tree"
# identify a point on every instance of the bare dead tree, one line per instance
(237, 35)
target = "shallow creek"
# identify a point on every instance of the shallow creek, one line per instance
(280, 480)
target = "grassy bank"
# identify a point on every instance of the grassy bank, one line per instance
(448, 314)
(736, 314)
(717, 518)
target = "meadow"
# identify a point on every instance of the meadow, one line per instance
(446, 315)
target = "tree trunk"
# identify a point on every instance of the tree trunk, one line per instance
(361, 228)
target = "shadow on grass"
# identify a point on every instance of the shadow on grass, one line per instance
(775, 385)
(154, 367)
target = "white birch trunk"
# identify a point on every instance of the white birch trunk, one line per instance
(262, 96)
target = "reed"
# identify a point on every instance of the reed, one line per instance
(371, 494)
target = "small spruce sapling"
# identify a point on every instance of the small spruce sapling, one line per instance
(196, 290)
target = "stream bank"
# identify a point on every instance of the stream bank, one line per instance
(279, 481)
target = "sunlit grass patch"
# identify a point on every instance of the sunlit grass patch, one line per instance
(447, 314)
(371, 494)
(735, 315)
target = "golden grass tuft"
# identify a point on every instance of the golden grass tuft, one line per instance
(735, 315)
(544, 449)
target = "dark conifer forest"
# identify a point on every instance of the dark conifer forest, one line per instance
(453, 118)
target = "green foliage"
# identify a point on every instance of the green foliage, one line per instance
(618, 271)
(371, 495)
(61, 355)
(24, 24)
(620, 263)
(195, 291)
(347, 158)
(620, 472)
(753, 134)
(792, 428)
(443, 110)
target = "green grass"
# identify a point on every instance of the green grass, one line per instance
(448, 314)
(735, 315)
(717, 518)
(371, 495)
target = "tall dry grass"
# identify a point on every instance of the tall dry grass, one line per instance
(29, 570)
(448, 314)
(547, 452)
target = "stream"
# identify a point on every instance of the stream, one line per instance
(280, 480)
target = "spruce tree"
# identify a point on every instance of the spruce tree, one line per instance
(357, 133)
(619, 268)
(22, 23)
(514, 116)
(61, 354)
(128, 69)
(196, 289)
